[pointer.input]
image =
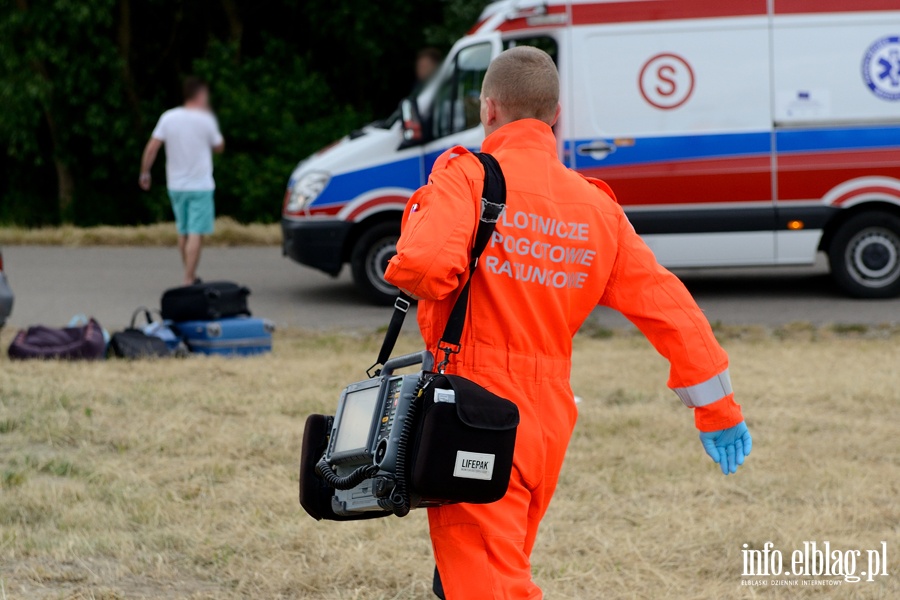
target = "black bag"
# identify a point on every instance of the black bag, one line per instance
(134, 343)
(205, 302)
(464, 449)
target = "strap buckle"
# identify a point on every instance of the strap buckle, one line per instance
(373, 372)
(402, 304)
(448, 350)
(491, 211)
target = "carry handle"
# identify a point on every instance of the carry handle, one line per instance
(214, 294)
(148, 314)
(408, 360)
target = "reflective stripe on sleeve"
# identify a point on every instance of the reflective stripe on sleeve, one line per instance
(713, 389)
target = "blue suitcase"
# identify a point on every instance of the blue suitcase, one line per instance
(237, 336)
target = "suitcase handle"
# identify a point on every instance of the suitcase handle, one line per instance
(214, 293)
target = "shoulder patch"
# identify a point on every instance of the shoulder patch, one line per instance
(444, 159)
(602, 186)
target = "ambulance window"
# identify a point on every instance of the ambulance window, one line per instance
(456, 104)
(543, 42)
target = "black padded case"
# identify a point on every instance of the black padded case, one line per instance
(464, 449)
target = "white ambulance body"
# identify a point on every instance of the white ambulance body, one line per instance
(738, 133)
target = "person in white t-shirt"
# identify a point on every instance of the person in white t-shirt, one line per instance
(191, 134)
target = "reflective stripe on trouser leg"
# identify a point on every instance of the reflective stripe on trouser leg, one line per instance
(713, 389)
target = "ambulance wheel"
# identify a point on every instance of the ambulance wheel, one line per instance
(374, 248)
(865, 255)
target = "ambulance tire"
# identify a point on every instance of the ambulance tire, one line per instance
(865, 255)
(369, 259)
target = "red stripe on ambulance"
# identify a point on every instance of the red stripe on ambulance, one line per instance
(784, 7)
(660, 10)
(321, 211)
(369, 204)
(740, 179)
(883, 191)
(808, 175)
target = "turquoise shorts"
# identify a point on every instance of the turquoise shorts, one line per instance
(195, 211)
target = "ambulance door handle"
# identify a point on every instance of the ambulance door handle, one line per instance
(597, 150)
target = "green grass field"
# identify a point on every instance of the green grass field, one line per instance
(228, 232)
(177, 479)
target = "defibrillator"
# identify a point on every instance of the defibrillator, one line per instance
(399, 442)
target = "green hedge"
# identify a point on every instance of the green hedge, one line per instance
(82, 83)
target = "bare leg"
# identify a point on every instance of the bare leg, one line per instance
(182, 243)
(192, 257)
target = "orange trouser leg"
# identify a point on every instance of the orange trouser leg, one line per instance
(556, 431)
(483, 551)
(480, 548)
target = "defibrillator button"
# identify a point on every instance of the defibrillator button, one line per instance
(380, 451)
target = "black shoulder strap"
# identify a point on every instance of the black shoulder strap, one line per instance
(493, 202)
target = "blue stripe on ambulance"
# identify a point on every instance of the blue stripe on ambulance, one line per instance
(342, 188)
(844, 138)
(725, 145)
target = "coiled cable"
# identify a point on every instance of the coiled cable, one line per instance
(344, 482)
(400, 502)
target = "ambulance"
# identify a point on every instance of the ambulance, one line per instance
(734, 133)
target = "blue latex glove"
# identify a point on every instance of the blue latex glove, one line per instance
(728, 447)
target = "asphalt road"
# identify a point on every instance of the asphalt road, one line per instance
(53, 283)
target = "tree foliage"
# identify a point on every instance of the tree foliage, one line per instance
(82, 83)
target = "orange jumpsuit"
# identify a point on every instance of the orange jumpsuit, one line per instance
(562, 246)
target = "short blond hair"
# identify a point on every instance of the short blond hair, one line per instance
(525, 82)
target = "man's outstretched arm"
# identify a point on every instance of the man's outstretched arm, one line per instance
(661, 307)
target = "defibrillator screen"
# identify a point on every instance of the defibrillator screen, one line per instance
(356, 420)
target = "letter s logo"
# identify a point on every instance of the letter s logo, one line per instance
(666, 81)
(665, 74)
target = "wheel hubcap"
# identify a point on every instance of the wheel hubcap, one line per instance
(873, 257)
(377, 259)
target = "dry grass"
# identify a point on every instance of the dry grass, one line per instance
(178, 479)
(228, 232)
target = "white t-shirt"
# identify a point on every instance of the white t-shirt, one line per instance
(189, 135)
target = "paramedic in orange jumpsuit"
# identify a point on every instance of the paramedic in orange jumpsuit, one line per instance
(562, 246)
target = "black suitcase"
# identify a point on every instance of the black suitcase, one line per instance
(205, 302)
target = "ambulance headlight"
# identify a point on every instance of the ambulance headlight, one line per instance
(306, 189)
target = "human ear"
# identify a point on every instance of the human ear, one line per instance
(556, 116)
(490, 112)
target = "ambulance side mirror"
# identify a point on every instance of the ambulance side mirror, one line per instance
(412, 123)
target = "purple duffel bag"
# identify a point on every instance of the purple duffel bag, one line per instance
(69, 343)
